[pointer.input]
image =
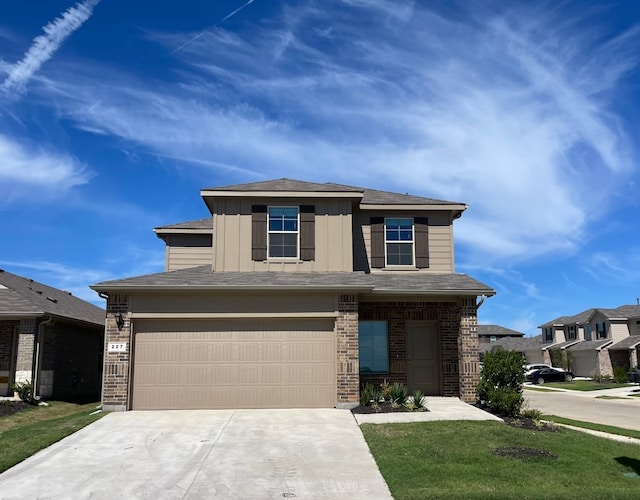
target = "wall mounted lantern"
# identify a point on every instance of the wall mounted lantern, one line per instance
(119, 320)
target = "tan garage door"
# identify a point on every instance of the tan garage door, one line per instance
(211, 364)
(584, 363)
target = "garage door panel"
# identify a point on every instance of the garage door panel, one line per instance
(258, 365)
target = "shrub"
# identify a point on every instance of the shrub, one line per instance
(602, 379)
(560, 358)
(385, 389)
(25, 392)
(366, 394)
(500, 386)
(398, 393)
(417, 401)
(619, 375)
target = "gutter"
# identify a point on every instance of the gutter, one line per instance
(38, 354)
(227, 288)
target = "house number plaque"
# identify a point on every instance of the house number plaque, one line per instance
(117, 347)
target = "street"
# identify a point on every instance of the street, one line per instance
(586, 407)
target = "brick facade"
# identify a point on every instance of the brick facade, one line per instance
(26, 345)
(347, 351)
(604, 363)
(458, 329)
(115, 388)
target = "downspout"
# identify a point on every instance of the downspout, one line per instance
(38, 354)
(482, 299)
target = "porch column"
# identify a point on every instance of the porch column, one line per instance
(546, 357)
(348, 366)
(26, 346)
(468, 358)
(633, 359)
(115, 386)
(604, 363)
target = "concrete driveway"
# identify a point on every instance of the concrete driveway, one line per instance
(236, 454)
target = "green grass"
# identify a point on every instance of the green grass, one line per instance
(586, 385)
(29, 431)
(596, 427)
(610, 397)
(456, 460)
(539, 389)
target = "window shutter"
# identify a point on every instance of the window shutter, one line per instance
(421, 230)
(307, 232)
(377, 242)
(259, 232)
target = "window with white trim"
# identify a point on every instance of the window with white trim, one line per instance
(398, 237)
(374, 352)
(283, 224)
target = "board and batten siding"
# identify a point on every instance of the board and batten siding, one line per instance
(441, 257)
(333, 236)
(187, 250)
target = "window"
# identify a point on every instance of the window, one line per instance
(399, 242)
(548, 334)
(492, 338)
(571, 332)
(601, 330)
(588, 329)
(374, 354)
(283, 232)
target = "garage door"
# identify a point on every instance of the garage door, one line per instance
(584, 363)
(234, 364)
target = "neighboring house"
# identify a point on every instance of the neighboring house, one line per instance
(492, 333)
(295, 294)
(50, 338)
(511, 340)
(595, 341)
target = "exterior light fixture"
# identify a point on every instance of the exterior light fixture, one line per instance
(119, 320)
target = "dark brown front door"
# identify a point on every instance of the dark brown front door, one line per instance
(423, 356)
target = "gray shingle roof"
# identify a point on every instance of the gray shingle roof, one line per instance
(497, 331)
(513, 344)
(22, 296)
(562, 345)
(626, 311)
(580, 318)
(369, 196)
(205, 224)
(203, 278)
(589, 345)
(627, 343)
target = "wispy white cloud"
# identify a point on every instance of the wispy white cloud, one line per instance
(610, 267)
(508, 112)
(44, 46)
(28, 170)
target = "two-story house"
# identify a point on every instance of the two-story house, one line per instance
(293, 294)
(596, 340)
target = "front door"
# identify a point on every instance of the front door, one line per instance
(423, 357)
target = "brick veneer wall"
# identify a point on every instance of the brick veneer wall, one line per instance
(115, 387)
(348, 351)
(620, 358)
(458, 328)
(24, 360)
(6, 343)
(604, 363)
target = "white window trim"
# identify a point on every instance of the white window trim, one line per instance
(412, 243)
(270, 232)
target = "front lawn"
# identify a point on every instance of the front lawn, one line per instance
(30, 430)
(596, 427)
(467, 459)
(586, 385)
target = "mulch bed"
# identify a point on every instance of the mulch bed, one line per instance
(384, 407)
(10, 407)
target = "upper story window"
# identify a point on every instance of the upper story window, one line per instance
(399, 242)
(571, 332)
(601, 330)
(283, 226)
(493, 338)
(548, 334)
(588, 329)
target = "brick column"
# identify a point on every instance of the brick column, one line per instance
(633, 359)
(546, 357)
(348, 366)
(26, 346)
(468, 350)
(115, 386)
(604, 363)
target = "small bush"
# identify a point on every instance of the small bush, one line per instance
(376, 397)
(500, 386)
(602, 379)
(417, 401)
(398, 393)
(619, 375)
(25, 392)
(366, 394)
(385, 389)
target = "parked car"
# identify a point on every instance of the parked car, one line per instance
(549, 375)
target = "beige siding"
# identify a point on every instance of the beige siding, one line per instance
(558, 334)
(598, 317)
(234, 364)
(232, 234)
(441, 257)
(187, 250)
(619, 330)
(233, 303)
(634, 326)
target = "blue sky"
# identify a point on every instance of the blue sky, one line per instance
(113, 115)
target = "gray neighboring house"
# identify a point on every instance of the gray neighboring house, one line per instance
(529, 347)
(492, 333)
(50, 338)
(595, 341)
(295, 294)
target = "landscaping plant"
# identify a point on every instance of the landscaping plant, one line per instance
(25, 392)
(500, 386)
